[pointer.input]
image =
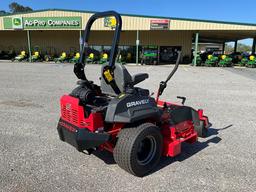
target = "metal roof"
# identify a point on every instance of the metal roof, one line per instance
(134, 15)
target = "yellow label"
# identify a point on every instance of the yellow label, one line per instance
(108, 75)
(121, 95)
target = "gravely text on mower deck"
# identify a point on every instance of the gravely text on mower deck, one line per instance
(124, 119)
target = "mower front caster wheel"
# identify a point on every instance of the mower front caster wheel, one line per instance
(201, 130)
(139, 149)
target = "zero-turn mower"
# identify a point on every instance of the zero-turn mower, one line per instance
(36, 57)
(251, 63)
(104, 58)
(21, 57)
(211, 61)
(198, 60)
(225, 61)
(124, 119)
(63, 58)
(75, 59)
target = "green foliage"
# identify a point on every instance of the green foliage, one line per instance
(240, 48)
(2, 12)
(17, 8)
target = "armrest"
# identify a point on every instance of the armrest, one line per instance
(137, 78)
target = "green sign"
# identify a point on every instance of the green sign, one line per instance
(42, 23)
(17, 23)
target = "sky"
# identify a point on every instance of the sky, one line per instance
(221, 10)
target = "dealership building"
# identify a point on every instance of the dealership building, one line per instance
(61, 30)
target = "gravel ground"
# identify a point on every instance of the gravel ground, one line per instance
(34, 159)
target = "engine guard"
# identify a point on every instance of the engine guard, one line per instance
(81, 138)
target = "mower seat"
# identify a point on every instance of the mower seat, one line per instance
(123, 80)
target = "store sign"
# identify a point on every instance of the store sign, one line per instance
(110, 22)
(42, 23)
(159, 24)
(17, 23)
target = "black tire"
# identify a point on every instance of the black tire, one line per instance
(201, 130)
(139, 149)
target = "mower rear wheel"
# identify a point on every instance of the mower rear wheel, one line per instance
(138, 149)
(201, 130)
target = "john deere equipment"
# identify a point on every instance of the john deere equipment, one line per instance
(21, 57)
(198, 60)
(75, 59)
(211, 61)
(63, 58)
(50, 54)
(104, 58)
(243, 61)
(149, 55)
(251, 62)
(36, 57)
(225, 61)
(90, 58)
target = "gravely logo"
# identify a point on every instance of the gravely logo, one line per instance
(137, 103)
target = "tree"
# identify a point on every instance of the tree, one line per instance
(2, 12)
(240, 48)
(17, 8)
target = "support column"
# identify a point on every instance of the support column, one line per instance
(253, 45)
(223, 47)
(29, 45)
(137, 47)
(80, 40)
(235, 47)
(196, 48)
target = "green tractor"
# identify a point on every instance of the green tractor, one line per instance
(35, 57)
(225, 61)
(198, 60)
(149, 55)
(104, 58)
(211, 61)
(251, 62)
(243, 61)
(62, 58)
(21, 57)
(75, 59)
(50, 54)
(91, 58)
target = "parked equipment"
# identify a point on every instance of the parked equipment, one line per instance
(149, 56)
(36, 57)
(50, 54)
(225, 61)
(211, 61)
(104, 58)
(198, 60)
(75, 59)
(124, 119)
(21, 57)
(63, 58)
(251, 63)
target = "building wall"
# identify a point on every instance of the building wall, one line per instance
(66, 40)
(15, 40)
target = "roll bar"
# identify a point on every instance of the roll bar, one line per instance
(116, 37)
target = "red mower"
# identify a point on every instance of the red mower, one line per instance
(124, 119)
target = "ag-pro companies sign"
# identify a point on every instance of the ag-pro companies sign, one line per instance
(42, 23)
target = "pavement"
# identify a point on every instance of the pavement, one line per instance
(32, 158)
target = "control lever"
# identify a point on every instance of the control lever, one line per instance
(183, 99)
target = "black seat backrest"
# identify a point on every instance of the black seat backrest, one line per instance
(122, 79)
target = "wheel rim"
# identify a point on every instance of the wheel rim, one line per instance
(146, 150)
